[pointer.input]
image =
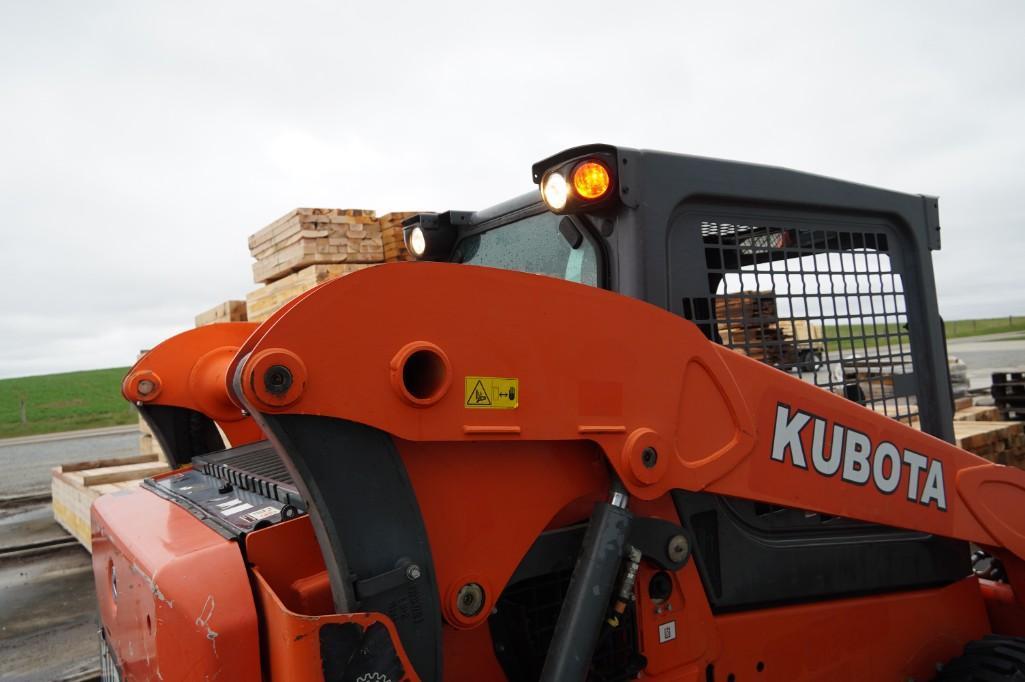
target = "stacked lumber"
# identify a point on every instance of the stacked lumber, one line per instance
(264, 301)
(229, 311)
(309, 246)
(310, 236)
(1000, 442)
(978, 413)
(392, 238)
(75, 487)
(749, 323)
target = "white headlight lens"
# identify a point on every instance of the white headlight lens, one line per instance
(555, 191)
(417, 242)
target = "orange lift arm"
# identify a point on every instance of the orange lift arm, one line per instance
(504, 399)
(179, 388)
(596, 366)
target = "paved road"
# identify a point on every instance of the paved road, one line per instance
(26, 462)
(987, 354)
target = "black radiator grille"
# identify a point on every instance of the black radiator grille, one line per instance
(827, 304)
(255, 467)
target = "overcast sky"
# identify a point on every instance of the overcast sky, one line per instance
(141, 143)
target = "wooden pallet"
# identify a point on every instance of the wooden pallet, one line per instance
(74, 487)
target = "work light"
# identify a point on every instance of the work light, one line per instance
(578, 180)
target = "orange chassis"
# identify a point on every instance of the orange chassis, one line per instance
(602, 380)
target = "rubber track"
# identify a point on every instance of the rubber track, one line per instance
(991, 659)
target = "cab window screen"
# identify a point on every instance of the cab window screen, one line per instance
(532, 245)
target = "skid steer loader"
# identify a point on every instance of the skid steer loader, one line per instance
(536, 458)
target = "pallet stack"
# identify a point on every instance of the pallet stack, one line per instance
(1008, 391)
(308, 246)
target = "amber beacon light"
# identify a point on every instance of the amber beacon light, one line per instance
(591, 180)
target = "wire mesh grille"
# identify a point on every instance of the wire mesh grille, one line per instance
(826, 304)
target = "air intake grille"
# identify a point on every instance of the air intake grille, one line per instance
(827, 304)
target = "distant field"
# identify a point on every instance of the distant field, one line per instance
(992, 325)
(842, 337)
(63, 402)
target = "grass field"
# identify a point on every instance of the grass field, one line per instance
(63, 402)
(993, 325)
(841, 337)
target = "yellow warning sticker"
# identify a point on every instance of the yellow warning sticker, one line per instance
(491, 393)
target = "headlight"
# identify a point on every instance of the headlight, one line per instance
(417, 241)
(555, 191)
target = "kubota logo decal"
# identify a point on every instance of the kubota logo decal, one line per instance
(856, 458)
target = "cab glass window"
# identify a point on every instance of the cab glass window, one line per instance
(536, 245)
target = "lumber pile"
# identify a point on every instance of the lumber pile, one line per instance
(308, 246)
(74, 487)
(229, 311)
(310, 236)
(1000, 442)
(391, 236)
(264, 301)
(749, 323)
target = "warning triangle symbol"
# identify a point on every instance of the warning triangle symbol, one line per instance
(478, 396)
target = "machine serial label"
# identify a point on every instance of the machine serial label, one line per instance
(667, 632)
(491, 393)
(856, 458)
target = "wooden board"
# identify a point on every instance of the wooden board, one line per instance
(263, 302)
(74, 487)
(1000, 442)
(977, 413)
(310, 236)
(229, 311)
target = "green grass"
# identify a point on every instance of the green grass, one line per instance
(839, 337)
(64, 402)
(992, 325)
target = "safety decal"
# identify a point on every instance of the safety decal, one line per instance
(491, 393)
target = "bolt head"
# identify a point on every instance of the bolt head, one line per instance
(413, 572)
(470, 599)
(277, 379)
(678, 548)
(649, 457)
(145, 387)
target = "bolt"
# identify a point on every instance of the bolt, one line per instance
(146, 387)
(470, 599)
(277, 380)
(678, 548)
(649, 457)
(413, 572)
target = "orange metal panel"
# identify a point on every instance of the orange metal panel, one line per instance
(174, 596)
